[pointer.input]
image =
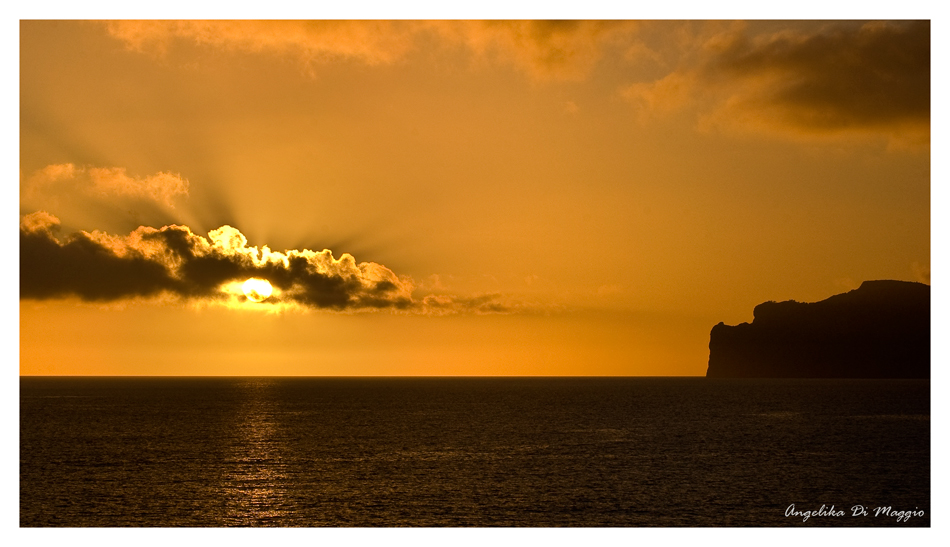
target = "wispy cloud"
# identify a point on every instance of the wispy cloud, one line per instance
(542, 49)
(109, 183)
(843, 78)
(370, 42)
(563, 50)
(163, 188)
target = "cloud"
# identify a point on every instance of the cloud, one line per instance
(162, 188)
(371, 42)
(667, 94)
(806, 80)
(483, 304)
(174, 263)
(872, 78)
(104, 183)
(566, 50)
(39, 222)
(82, 266)
(542, 49)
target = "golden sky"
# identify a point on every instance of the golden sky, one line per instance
(455, 197)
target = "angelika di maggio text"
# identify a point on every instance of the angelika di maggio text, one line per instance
(856, 511)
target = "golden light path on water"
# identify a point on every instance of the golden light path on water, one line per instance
(255, 482)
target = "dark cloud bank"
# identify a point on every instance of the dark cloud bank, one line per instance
(875, 75)
(173, 261)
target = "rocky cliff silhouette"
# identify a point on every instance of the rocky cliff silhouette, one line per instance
(879, 330)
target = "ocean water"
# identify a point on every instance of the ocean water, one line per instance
(578, 452)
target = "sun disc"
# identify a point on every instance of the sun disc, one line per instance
(257, 290)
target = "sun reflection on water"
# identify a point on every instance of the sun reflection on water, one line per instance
(255, 481)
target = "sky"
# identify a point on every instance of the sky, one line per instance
(455, 197)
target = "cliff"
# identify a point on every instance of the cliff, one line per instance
(879, 330)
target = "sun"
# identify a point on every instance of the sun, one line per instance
(257, 290)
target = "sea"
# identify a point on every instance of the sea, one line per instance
(473, 452)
